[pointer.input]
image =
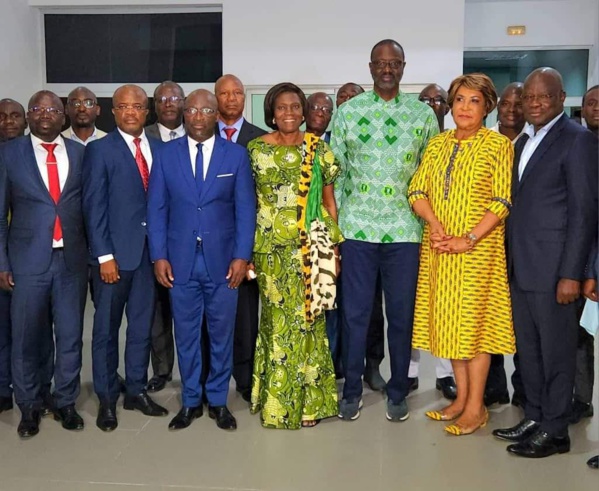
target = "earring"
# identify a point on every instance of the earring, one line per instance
(273, 121)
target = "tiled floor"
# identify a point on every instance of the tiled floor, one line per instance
(369, 454)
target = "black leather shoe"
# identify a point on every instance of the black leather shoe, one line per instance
(106, 419)
(518, 433)
(122, 383)
(5, 404)
(30, 423)
(158, 382)
(496, 397)
(69, 417)
(518, 400)
(142, 402)
(413, 384)
(185, 416)
(447, 387)
(540, 445)
(593, 462)
(47, 408)
(224, 419)
(580, 410)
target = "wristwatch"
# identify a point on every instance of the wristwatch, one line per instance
(473, 238)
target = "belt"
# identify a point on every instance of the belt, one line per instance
(58, 249)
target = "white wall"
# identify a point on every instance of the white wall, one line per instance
(322, 42)
(572, 23)
(20, 51)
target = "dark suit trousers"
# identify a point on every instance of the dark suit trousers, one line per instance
(134, 295)
(5, 377)
(375, 341)
(190, 301)
(163, 344)
(59, 295)
(397, 265)
(546, 337)
(497, 380)
(246, 332)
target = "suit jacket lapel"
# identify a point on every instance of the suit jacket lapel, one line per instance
(122, 147)
(73, 162)
(543, 147)
(185, 163)
(34, 171)
(218, 155)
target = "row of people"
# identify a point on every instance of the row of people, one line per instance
(374, 136)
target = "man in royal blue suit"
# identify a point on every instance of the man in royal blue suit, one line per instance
(43, 260)
(550, 231)
(116, 174)
(201, 221)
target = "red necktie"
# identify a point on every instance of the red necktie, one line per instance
(53, 184)
(142, 164)
(230, 132)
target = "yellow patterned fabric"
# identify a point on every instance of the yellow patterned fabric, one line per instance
(463, 305)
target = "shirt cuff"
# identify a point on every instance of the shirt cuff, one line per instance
(105, 258)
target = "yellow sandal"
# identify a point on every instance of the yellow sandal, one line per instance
(440, 416)
(458, 430)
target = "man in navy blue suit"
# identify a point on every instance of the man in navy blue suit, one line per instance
(550, 231)
(201, 219)
(43, 260)
(116, 173)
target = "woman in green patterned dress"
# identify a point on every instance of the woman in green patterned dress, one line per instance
(294, 378)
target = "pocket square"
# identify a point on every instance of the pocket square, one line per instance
(224, 175)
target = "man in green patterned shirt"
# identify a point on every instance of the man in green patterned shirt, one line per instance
(379, 138)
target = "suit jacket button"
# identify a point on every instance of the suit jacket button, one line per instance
(199, 209)
(143, 224)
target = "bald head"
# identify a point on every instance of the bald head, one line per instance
(130, 109)
(514, 87)
(320, 111)
(230, 94)
(201, 112)
(12, 119)
(509, 110)
(45, 115)
(168, 104)
(543, 96)
(436, 97)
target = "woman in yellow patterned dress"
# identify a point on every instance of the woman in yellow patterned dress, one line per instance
(294, 378)
(462, 191)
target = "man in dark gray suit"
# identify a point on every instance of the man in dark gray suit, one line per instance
(550, 232)
(168, 104)
(232, 126)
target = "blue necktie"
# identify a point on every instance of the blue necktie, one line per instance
(199, 169)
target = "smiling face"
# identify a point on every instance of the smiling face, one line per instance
(590, 109)
(45, 115)
(509, 110)
(320, 112)
(469, 109)
(289, 112)
(542, 98)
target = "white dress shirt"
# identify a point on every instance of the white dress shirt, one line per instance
(62, 163)
(147, 153)
(496, 130)
(207, 147)
(165, 133)
(144, 145)
(96, 135)
(237, 125)
(533, 142)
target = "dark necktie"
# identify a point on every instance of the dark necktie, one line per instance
(53, 184)
(142, 164)
(199, 169)
(230, 132)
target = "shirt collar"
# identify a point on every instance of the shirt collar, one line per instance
(207, 144)
(236, 125)
(378, 98)
(76, 138)
(35, 141)
(529, 129)
(129, 138)
(180, 130)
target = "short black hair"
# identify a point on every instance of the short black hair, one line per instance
(585, 94)
(385, 42)
(271, 98)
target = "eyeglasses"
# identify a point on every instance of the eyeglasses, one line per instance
(325, 109)
(382, 64)
(174, 99)
(206, 111)
(437, 101)
(134, 107)
(38, 110)
(87, 103)
(541, 98)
